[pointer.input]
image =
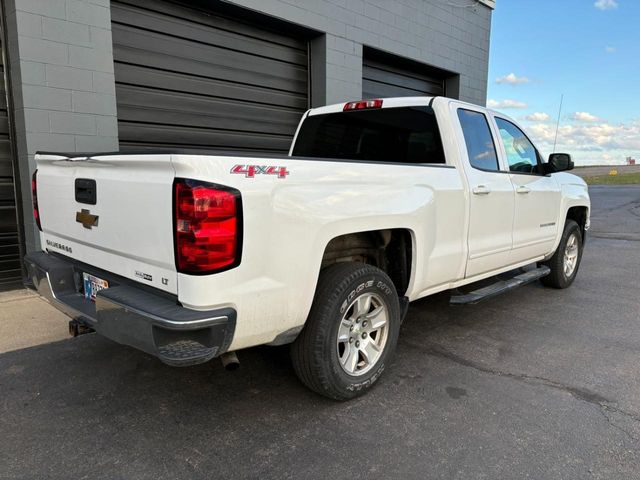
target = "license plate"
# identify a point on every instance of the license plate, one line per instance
(92, 285)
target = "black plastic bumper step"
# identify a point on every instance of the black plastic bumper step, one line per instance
(184, 350)
(500, 286)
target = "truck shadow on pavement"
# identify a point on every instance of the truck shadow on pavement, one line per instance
(91, 398)
(93, 373)
(95, 376)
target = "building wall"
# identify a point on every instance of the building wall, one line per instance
(434, 32)
(61, 62)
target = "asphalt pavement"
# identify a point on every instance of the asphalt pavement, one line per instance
(537, 383)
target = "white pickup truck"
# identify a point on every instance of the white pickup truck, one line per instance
(379, 203)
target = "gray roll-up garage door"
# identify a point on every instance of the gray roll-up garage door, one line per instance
(388, 76)
(191, 79)
(10, 270)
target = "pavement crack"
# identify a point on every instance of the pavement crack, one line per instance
(602, 403)
(579, 393)
(603, 411)
(629, 415)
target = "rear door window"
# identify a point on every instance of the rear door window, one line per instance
(390, 135)
(478, 139)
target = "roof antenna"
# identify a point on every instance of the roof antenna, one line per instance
(557, 124)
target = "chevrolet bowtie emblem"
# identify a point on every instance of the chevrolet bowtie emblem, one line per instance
(86, 219)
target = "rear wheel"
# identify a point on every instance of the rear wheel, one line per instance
(565, 261)
(351, 331)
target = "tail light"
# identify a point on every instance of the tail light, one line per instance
(362, 105)
(208, 227)
(34, 195)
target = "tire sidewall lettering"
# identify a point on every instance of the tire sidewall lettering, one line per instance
(354, 387)
(352, 294)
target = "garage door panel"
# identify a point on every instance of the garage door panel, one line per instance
(196, 59)
(4, 126)
(400, 78)
(192, 80)
(177, 82)
(384, 72)
(6, 169)
(8, 220)
(9, 246)
(6, 166)
(179, 28)
(127, 36)
(390, 77)
(274, 77)
(406, 88)
(181, 109)
(10, 270)
(202, 138)
(381, 90)
(167, 10)
(10, 250)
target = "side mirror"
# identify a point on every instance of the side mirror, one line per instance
(560, 162)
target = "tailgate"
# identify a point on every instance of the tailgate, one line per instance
(114, 212)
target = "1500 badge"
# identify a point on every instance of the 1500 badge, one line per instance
(250, 171)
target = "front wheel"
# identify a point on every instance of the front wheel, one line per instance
(351, 331)
(566, 259)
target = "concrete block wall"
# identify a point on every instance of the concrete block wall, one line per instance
(61, 66)
(450, 35)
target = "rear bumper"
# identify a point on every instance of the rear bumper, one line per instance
(143, 318)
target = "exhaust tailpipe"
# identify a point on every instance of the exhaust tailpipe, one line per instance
(230, 361)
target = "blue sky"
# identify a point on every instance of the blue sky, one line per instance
(588, 50)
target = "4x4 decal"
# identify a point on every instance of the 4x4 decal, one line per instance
(250, 171)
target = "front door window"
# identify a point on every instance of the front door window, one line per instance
(521, 154)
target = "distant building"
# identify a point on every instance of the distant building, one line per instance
(631, 161)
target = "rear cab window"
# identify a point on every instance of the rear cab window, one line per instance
(407, 135)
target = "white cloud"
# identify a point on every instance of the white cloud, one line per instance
(597, 143)
(585, 117)
(506, 104)
(512, 79)
(605, 4)
(610, 49)
(538, 117)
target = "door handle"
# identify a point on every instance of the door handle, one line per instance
(523, 189)
(481, 190)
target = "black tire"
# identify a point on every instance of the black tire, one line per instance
(315, 353)
(558, 278)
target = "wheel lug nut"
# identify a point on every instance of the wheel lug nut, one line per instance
(364, 334)
(364, 323)
(357, 344)
(351, 340)
(351, 328)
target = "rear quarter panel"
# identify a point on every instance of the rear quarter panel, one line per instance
(288, 222)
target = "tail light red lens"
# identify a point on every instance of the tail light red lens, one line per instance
(208, 227)
(362, 105)
(34, 195)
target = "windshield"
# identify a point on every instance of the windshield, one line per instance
(396, 135)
